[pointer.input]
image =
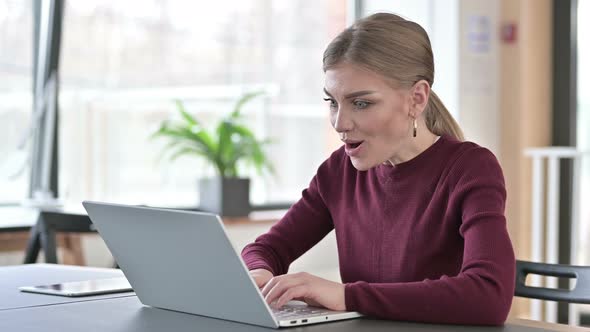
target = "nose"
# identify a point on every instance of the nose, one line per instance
(341, 121)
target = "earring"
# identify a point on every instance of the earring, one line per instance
(415, 127)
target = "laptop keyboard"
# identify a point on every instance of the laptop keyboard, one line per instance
(298, 311)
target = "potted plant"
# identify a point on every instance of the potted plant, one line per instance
(230, 143)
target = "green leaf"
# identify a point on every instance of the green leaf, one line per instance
(224, 146)
(186, 151)
(242, 101)
(163, 126)
(200, 140)
(187, 117)
(228, 145)
(166, 150)
(242, 134)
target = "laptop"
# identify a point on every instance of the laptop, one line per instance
(184, 261)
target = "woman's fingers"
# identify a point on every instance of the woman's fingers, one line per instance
(275, 280)
(270, 284)
(306, 287)
(290, 294)
(261, 277)
(280, 287)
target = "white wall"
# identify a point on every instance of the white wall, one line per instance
(478, 72)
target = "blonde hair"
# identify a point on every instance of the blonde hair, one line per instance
(399, 50)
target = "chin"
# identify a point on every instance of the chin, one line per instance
(360, 164)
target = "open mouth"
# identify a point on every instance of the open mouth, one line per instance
(352, 146)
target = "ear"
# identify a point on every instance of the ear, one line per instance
(419, 94)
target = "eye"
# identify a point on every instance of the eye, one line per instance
(361, 104)
(332, 102)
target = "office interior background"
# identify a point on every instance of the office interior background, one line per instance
(512, 72)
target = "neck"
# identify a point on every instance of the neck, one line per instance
(413, 146)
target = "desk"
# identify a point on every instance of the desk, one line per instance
(12, 277)
(49, 222)
(17, 226)
(127, 314)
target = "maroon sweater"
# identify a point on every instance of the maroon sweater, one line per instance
(424, 240)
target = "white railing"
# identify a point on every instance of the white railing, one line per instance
(553, 155)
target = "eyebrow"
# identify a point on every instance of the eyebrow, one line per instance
(353, 94)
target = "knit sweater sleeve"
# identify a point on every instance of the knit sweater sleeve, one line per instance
(481, 293)
(306, 223)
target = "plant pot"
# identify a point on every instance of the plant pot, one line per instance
(228, 197)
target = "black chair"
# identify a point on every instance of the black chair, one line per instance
(580, 293)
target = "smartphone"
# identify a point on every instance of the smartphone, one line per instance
(82, 288)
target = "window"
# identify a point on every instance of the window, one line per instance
(124, 62)
(16, 34)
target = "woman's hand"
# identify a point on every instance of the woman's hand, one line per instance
(303, 286)
(261, 276)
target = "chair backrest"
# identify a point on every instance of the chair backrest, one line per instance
(580, 293)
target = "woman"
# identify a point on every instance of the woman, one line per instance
(418, 213)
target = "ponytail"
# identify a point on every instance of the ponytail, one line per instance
(438, 119)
